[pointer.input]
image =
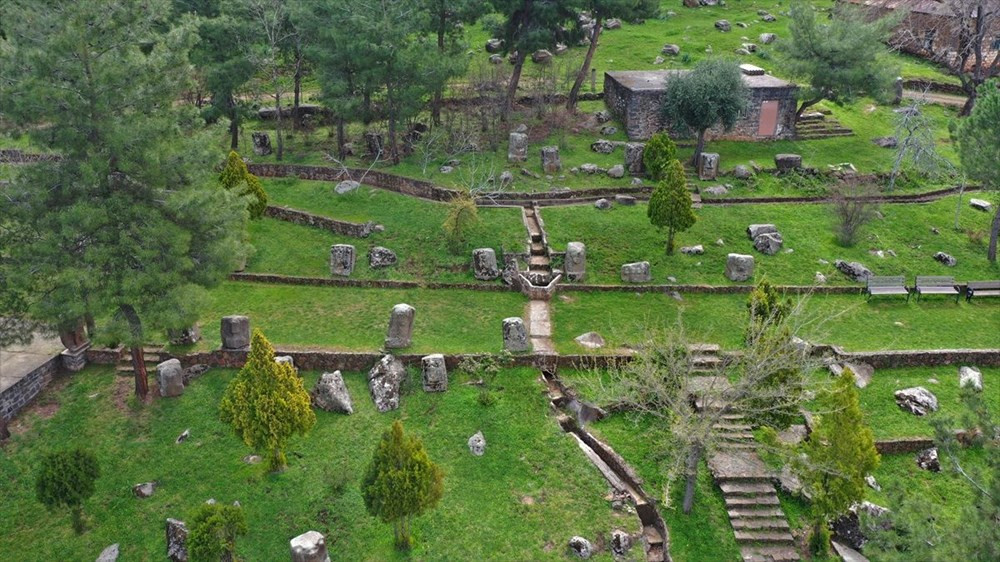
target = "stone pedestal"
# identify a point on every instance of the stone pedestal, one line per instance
(435, 373)
(74, 360)
(342, 257)
(515, 335)
(261, 143)
(170, 378)
(787, 162)
(638, 272)
(400, 327)
(576, 261)
(517, 147)
(484, 264)
(309, 547)
(633, 158)
(551, 164)
(235, 332)
(708, 166)
(739, 267)
(177, 533)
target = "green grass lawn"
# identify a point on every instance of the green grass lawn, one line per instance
(523, 500)
(623, 235)
(412, 229)
(349, 319)
(846, 320)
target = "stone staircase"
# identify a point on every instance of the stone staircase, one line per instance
(820, 125)
(151, 356)
(705, 357)
(539, 261)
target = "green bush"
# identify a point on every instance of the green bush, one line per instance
(66, 479)
(657, 155)
(213, 529)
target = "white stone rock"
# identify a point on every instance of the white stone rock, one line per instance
(970, 376)
(477, 444)
(309, 547)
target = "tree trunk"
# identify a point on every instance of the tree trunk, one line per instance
(970, 102)
(135, 350)
(393, 149)
(4, 432)
(581, 76)
(991, 254)
(515, 77)
(277, 129)
(670, 242)
(297, 90)
(341, 153)
(439, 91)
(805, 104)
(697, 150)
(691, 476)
(234, 124)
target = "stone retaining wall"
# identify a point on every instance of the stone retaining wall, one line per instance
(308, 219)
(16, 156)
(709, 289)
(923, 357)
(390, 182)
(18, 395)
(364, 283)
(903, 445)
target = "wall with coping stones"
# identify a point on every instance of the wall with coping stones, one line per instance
(390, 182)
(308, 219)
(365, 283)
(18, 395)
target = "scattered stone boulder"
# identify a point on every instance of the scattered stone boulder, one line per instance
(541, 56)
(177, 533)
(551, 163)
(575, 264)
(346, 186)
(379, 257)
(620, 542)
(581, 547)
(589, 168)
(494, 45)
(484, 264)
(741, 51)
(787, 162)
(185, 336)
(434, 373)
(477, 444)
(855, 270)
(384, 380)
(235, 332)
(515, 335)
(506, 178)
(819, 278)
(183, 436)
(716, 190)
(638, 272)
(768, 18)
(723, 25)
(767, 38)
(170, 378)
(633, 158)
(917, 400)
(739, 267)
(742, 172)
(885, 142)
(872, 483)
(252, 459)
(400, 326)
(109, 554)
(946, 259)
(590, 340)
(708, 166)
(309, 547)
(330, 394)
(980, 205)
(602, 204)
(768, 243)
(261, 143)
(863, 372)
(609, 130)
(517, 147)
(693, 250)
(342, 258)
(602, 116)
(496, 59)
(970, 376)
(755, 230)
(144, 490)
(193, 372)
(446, 169)
(617, 171)
(928, 460)
(671, 49)
(602, 146)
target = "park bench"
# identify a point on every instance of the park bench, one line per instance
(889, 285)
(982, 289)
(935, 285)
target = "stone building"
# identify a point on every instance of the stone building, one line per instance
(635, 98)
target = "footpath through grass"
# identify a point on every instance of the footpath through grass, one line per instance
(523, 500)
(623, 235)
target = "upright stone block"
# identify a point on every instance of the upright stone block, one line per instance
(400, 327)
(708, 166)
(517, 147)
(435, 373)
(638, 272)
(551, 163)
(177, 533)
(576, 261)
(633, 158)
(342, 258)
(484, 264)
(515, 335)
(170, 378)
(739, 267)
(787, 162)
(235, 332)
(261, 143)
(309, 547)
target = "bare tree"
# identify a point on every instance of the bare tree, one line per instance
(853, 206)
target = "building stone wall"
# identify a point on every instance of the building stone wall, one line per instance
(19, 394)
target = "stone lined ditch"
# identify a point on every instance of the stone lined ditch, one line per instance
(569, 414)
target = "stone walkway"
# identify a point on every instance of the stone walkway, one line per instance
(18, 361)
(540, 326)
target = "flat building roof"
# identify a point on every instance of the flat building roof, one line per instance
(653, 80)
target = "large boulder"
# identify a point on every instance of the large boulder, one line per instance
(330, 394)
(261, 143)
(633, 158)
(346, 186)
(235, 332)
(434, 373)
(928, 460)
(970, 376)
(384, 380)
(855, 270)
(671, 49)
(177, 533)
(551, 164)
(767, 38)
(602, 146)
(696, 250)
(739, 267)
(170, 378)
(517, 147)
(638, 272)
(723, 25)
(603, 204)
(787, 162)
(620, 542)
(581, 547)
(309, 547)
(768, 243)
(742, 172)
(617, 171)
(144, 490)
(946, 259)
(484, 264)
(400, 332)
(755, 230)
(109, 554)
(575, 264)
(626, 200)
(379, 257)
(917, 400)
(477, 444)
(494, 45)
(541, 56)
(515, 335)
(342, 258)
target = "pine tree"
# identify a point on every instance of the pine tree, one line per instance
(213, 529)
(670, 204)
(66, 479)
(979, 148)
(236, 175)
(267, 403)
(841, 452)
(401, 482)
(659, 153)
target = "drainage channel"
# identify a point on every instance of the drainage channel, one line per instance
(655, 538)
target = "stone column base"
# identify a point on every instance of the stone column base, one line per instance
(75, 360)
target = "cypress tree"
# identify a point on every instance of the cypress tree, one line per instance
(236, 176)
(670, 204)
(660, 151)
(66, 479)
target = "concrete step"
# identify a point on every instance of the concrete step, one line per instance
(738, 445)
(537, 249)
(750, 512)
(736, 435)
(538, 262)
(746, 488)
(652, 535)
(733, 417)
(778, 537)
(705, 360)
(768, 553)
(536, 237)
(818, 136)
(760, 523)
(704, 348)
(739, 427)
(746, 501)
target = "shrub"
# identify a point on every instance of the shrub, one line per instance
(486, 370)
(463, 216)
(235, 175)
(853, 209)
(660, 151)
(66, 479)
(213, 530)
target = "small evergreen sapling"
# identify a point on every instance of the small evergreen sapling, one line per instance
(401, 482)
(236, 175)
(66, 479)
(267, 403)
(658, 155)
(213, 531)
(670, 204)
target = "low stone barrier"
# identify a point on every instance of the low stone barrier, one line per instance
(922, 357)
(308, 219)
(274, 278)
(903, 445)
(16, 156)
(390, 182)
(708, 289)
